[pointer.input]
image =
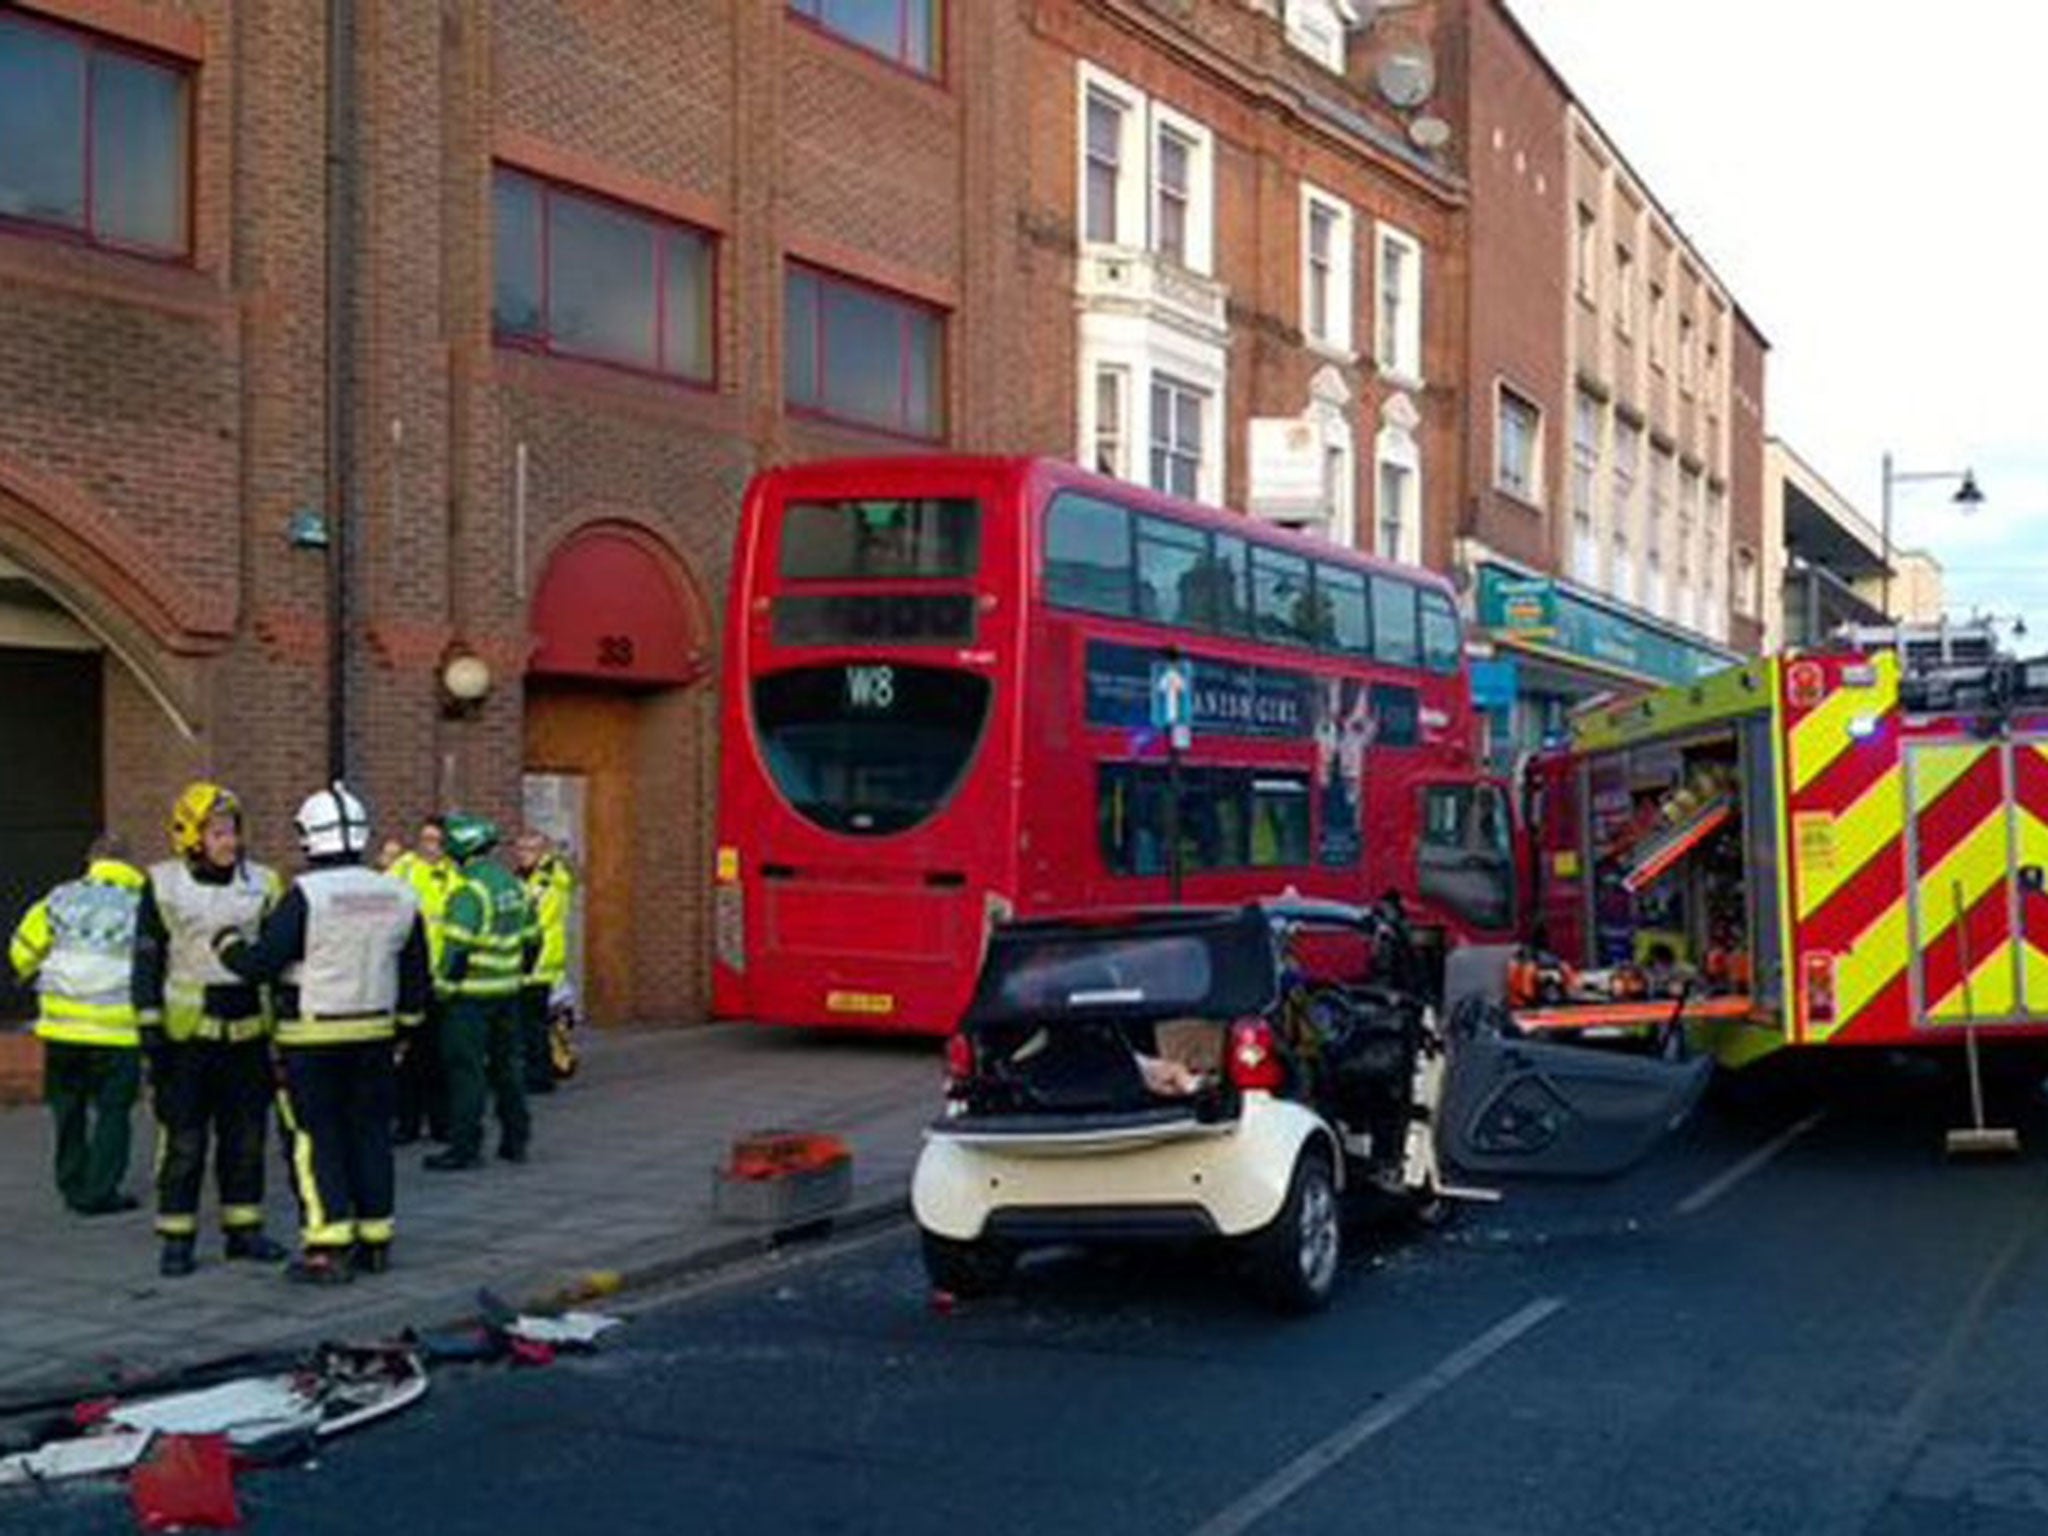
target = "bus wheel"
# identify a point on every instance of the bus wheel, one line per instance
(968, 1269)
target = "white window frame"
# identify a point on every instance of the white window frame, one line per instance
(1585, 551)
(1199, 253)
(1397, 346)
(1178, 388)
(1133, 157)
(1621, 508)
(1663, 466)
(1340, 488)
(1531, 492)
(1317, 28)
(1111, 443)
(1339, 332)
(1396, 449)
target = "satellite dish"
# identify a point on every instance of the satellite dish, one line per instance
(1407, 75)
(1430, 132)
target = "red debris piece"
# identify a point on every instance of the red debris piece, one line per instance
(779, 1154)
(943, 1303)
(92, 1410)
(188, 1483)
(530, 1351)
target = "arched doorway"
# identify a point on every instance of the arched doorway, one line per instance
(616, 758)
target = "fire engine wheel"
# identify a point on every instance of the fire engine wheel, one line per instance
(1294, 1262)
(968, 1269)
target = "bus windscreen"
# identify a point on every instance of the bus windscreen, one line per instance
(881, 539)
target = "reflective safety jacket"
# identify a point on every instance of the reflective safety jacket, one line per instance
(78, 943)
(552, 888)
(490, 933)
(349, 954)
(433, 881)
(179, 981)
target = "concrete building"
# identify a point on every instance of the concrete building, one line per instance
(1829, 559)
(1611, 528)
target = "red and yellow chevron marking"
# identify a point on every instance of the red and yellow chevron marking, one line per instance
(2030, 821)
(1848, 877)
(1962, 894)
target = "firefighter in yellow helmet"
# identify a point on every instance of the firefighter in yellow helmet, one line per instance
(78, 945)
(206, 1030)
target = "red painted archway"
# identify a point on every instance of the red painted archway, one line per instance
(615, 605)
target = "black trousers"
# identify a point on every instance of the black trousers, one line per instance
(90, 1090)
(211, 1091)
(537, 1063)
(423, 1081)
(336, 1106)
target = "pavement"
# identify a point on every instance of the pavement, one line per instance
(620, 1180)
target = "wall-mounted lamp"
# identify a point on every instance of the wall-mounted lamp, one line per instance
(465, 681)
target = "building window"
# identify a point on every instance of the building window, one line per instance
(1397, 529)
(1518, 467)
(1398, 344)
(1656, 324)
(1315, 28)
(1621, 511)
(905, 32)
(862, 355)
(95, 139)
(1585, 474)
(1686, 607)
(1747, 596)
(1112, 424)
(1177, 437)
(1624, 291)
(1326, 270)
(1172, 190)
(1661, 466)
(1586, 260)
(1104, 172)
(584, 277)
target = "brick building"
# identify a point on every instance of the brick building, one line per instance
(483, 384)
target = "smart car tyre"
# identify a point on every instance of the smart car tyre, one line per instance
(968, 1269)
(1294, 1262)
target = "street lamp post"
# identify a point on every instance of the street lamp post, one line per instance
(1967, 496)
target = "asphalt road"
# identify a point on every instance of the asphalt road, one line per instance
(1803, 1321)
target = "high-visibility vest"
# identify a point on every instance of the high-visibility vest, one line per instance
(357, 924)
(79, 945)
(433, 881)
(490, 921)
(193, 911)
(553, 889)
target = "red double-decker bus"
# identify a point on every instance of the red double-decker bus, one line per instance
(942, 681)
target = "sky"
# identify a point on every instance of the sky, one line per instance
(1865, 177)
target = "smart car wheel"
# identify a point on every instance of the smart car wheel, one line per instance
(978, 1268)
(1295, 1260)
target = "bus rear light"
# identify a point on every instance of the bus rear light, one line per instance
(959, 1061)
(728, 864)
(729, 926)
(1254, 1060)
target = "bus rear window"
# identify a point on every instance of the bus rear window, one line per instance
(869, 748)
(886, 539)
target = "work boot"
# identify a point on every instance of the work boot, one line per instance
(512, 1151)
(320, 1266)
(255, 1245)
(372, 1258)
(176, 1261)
(451, 1161)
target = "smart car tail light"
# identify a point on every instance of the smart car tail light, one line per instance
(1254, 1060)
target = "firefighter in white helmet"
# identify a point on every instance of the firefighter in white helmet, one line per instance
(349, 953)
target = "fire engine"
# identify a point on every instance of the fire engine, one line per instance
(1828, 848)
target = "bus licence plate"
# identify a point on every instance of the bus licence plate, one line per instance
(860, 1002)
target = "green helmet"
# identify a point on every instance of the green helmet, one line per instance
(470, 836)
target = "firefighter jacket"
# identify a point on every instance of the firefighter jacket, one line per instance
(552, 888)
(180, 982)
(78, 943)
(491, 934)
(349, 954)
(433, 881)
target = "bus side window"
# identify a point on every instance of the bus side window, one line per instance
(1443, 645)
(1466, 861)
(1394, 637)
(1088, 555)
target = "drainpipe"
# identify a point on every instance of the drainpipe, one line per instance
(340, 350)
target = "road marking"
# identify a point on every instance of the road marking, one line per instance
(1720, 1184)
(1377, 1420)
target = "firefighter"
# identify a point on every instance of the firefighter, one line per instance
(78, 944)
(552, 887)
(422, 1083)
(205, 1030)
(349, 952)
(489, 939)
